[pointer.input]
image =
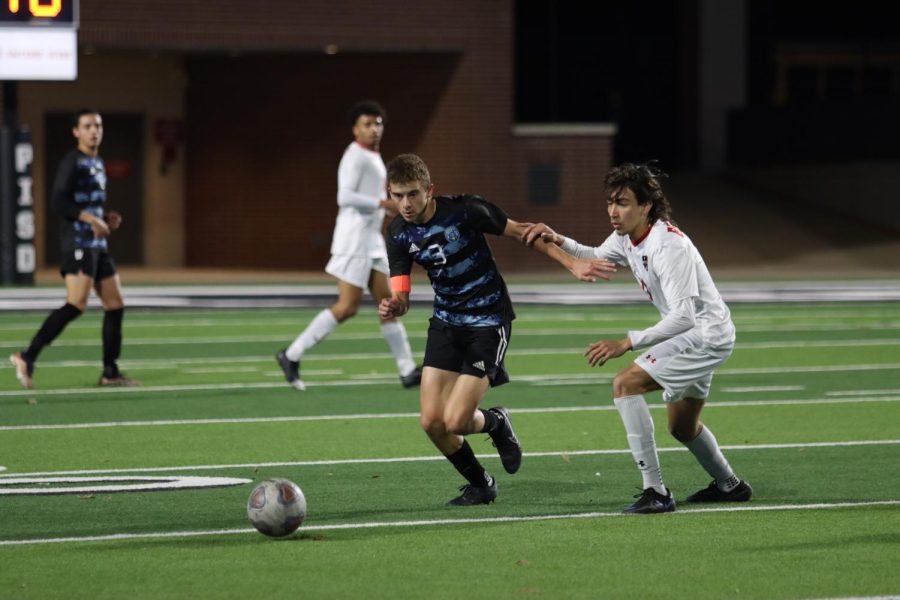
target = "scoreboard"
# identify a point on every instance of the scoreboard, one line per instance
(38, 39)
(40, 13)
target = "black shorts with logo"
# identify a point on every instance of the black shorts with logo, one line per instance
(96, 263)
(476, 351)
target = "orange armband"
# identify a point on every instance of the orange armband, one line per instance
(400, 283)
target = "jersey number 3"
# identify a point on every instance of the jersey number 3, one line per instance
(436, 254)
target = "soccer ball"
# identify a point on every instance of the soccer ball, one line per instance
(276, 507)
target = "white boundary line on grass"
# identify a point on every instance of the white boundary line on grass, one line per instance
(409, 415)
(541, 379)
(438, 457)
(434, 522)
(125, 484)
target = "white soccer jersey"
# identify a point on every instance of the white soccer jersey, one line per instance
(669, 269)
(362, 179)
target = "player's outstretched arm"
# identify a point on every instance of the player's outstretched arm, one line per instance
(543, 239)
(603, 350)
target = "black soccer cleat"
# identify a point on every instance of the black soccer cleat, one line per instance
(413, 379)
(505, 441)
(476, 494)
(291, 370)
(117, 379)
(712, 493)
(650, 502)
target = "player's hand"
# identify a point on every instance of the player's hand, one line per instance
(100, 228)
(114, 220)
(390, 308)
(600, 352)
(592, 270)
(542, 231)
(390, 207)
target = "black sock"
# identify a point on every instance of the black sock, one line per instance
(468, 466)
(53, 325)
(491, 421)
(112, 341)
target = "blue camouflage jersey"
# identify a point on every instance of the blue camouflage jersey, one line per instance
(451, 247)
(80, 185)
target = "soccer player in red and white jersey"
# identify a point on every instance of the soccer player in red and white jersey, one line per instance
(358, 254)
(679, 354)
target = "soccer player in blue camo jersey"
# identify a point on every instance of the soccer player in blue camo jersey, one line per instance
(678, 354)
(469, 333)
(79, 196)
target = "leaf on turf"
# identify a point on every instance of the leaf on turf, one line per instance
(32, 401)
(86, 496)
(566, 458)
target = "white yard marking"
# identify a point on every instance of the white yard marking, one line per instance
(410, 415)
(357, 380)
(765, 388)
(861, 392)
(123, 484)
(431, 458)
(205, 370)
(685, 513)
(555, 332)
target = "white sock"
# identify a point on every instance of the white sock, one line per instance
(639, 428)
(317, 330)
(395, 334)
(706, 449)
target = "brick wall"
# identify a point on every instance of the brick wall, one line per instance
(265, 106)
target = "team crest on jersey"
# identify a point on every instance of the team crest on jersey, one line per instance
(451, 233)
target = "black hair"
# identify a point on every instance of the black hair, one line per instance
(366, 107)
(643, 181)
(82, 112)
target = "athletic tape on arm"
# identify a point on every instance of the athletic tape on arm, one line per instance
(400, 283)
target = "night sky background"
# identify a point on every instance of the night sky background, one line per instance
(635, 63)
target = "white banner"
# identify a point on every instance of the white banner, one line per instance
(38, 54)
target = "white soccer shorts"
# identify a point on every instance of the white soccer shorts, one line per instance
(683, 366)
(356, 270)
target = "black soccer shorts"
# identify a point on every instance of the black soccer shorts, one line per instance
(476, 351)
(96, 263)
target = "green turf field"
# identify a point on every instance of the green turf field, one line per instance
(807, 410)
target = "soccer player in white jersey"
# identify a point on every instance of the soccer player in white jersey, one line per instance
(678, 355)
(358, 254)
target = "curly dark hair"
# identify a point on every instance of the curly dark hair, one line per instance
(643, 181)
(366, 107)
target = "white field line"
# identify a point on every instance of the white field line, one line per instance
(280, 339)
(768, 388)
(174, 361)
(443, 522)
(436, 457)
(811, 319)
(411, 415)
(861, 392)
(621, 324)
